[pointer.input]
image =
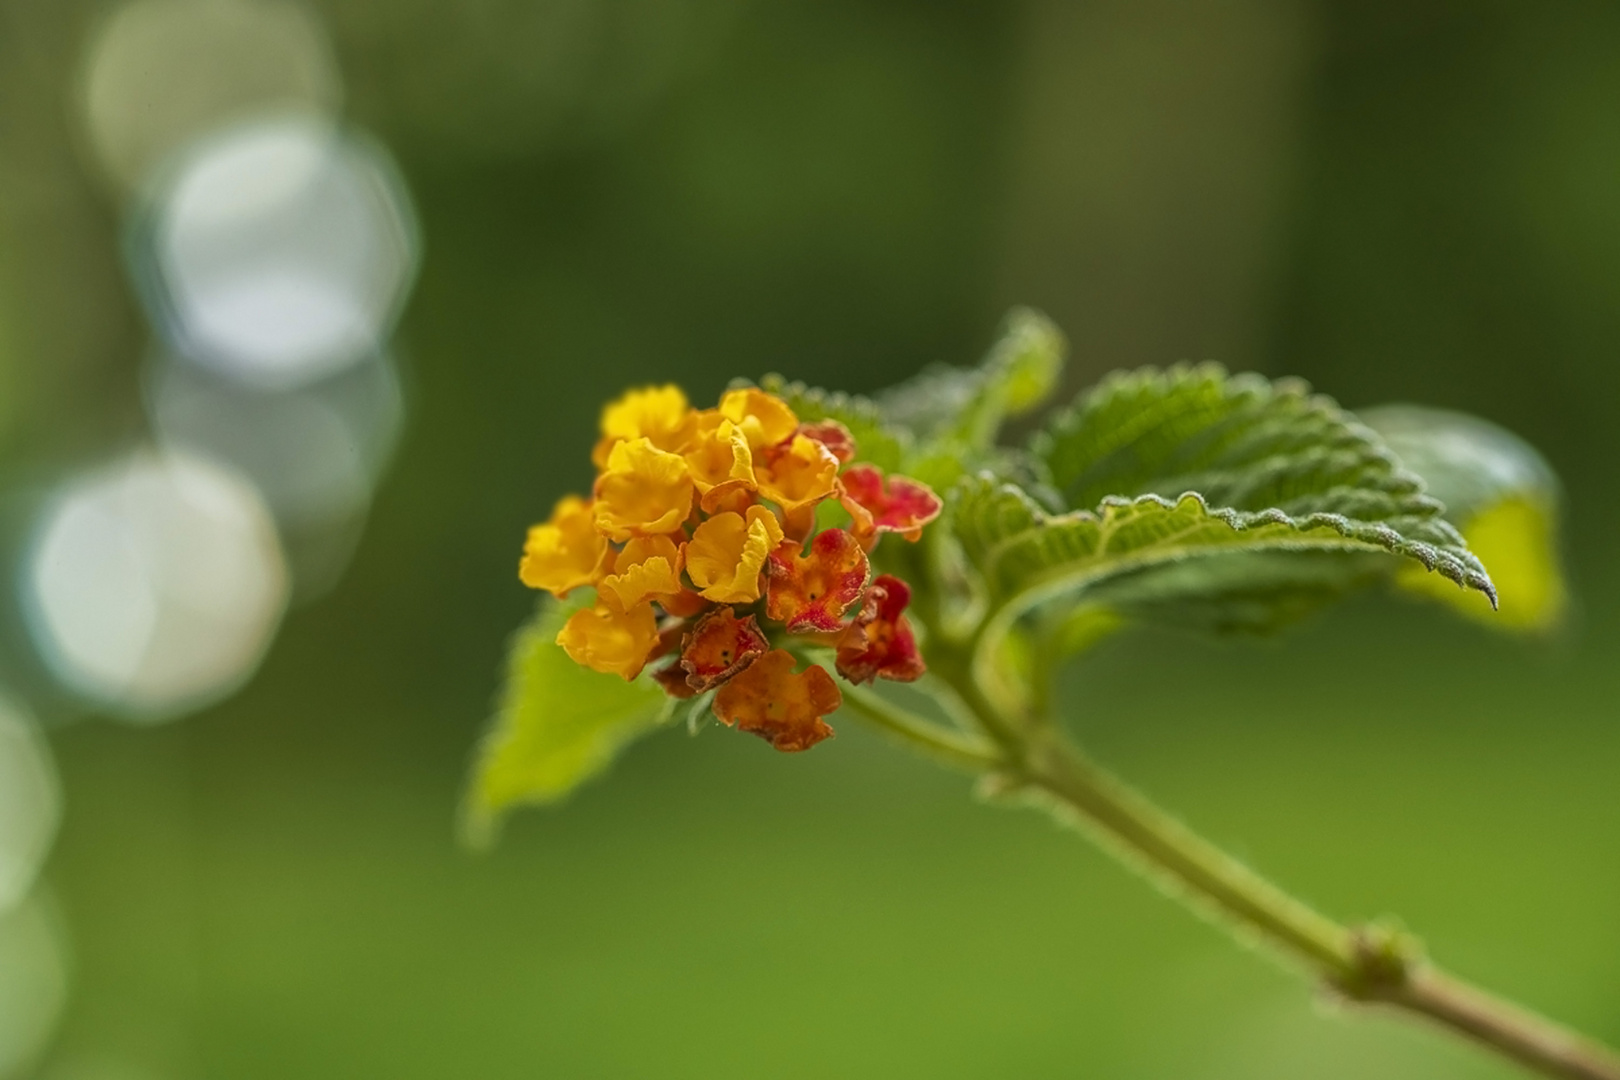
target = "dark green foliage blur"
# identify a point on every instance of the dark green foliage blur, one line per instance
(1394, 202)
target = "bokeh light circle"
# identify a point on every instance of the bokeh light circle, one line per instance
(314, 452)
(278, 252)
(30, 802)
(160, 73)
(154, 586)
(33, 983)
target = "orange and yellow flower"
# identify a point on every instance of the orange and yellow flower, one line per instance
(643, 491)
(610, 641)
(810, 591)
(728, 552)
(785, 709)
(565, 552)
(880, 642)
(700, 540)
(659, 414)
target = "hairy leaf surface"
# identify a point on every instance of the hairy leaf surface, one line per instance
(1196, 497)
(1022, 551)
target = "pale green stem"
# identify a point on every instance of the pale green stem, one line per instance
(955, 748)
(1369, 965)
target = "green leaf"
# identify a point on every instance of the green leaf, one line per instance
(1026, 555)
(1229, 502)
(558, 725)
(1501, 495)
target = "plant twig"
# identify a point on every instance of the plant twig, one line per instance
(1370, 965)
(955, 748)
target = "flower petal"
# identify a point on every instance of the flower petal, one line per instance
(810, 592)
(720, 646)
(649, 568)
(659, 414)
(610, 641)
(798, 475)
(672, 677)
(565, 552)
(727, 552)
(720, 461)
(783, 708)
(880, 641)
(643, 491)
(834, 436)
(893, 504)
(764, 418)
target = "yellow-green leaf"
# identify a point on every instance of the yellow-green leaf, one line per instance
(558, 725)
(1504, 499)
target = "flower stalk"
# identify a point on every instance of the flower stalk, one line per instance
(1034, 762)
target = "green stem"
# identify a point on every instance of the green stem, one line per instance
(1166, 849)
(954, 748)
(1367, 965)
(1370, 965)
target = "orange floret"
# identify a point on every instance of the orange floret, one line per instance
(564, 553)
(880, 641)
(810, 592)
(659, 414)
(610, 641)
(643, 491)
(721, 463)
(649, 568)
(897, 504)
(834, 436)
(720, 646)
(727, 552)
(764, 418)
(796, 477)
(783, 708)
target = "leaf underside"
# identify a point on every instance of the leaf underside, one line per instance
(1501, 495)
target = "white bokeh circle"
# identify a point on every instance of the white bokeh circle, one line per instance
(155, 585)
(33, 983)
(278, 252)
(159, 73)
(30, 802)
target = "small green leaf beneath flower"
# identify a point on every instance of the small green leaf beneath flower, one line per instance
(558, 725)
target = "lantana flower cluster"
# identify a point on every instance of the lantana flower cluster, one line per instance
(701, 542)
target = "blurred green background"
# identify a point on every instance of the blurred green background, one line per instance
(1395, 202)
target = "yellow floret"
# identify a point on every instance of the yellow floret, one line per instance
(727, 553)
(612, 642)
(720, 460)
(764, 418)
(647, 568)
(799, 475)
(644, 491)
(565, 552)
(659, 414)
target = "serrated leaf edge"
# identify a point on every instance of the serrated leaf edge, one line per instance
(1353, 536)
